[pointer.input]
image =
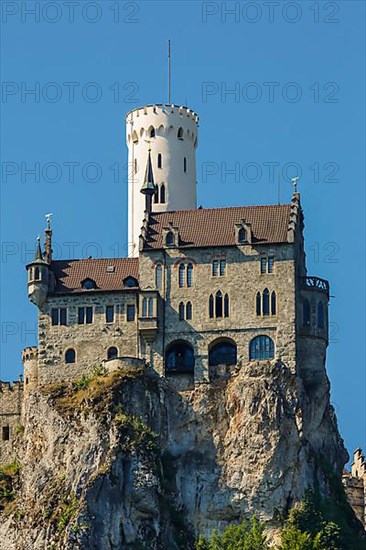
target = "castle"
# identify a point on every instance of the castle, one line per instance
(202, 291)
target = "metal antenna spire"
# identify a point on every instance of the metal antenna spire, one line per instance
(169, 73)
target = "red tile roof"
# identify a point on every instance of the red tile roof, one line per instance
(70, 273)
(216, 226)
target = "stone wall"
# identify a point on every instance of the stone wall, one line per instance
(242, 281)
(90, 341)
(11, 400)
(355, 485)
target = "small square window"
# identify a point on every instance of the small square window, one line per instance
(6, 433)
(263, 265)
(81, 315)
(222, 268)
(109, 314)
(89, 315)
(270, 264)
(130, 312)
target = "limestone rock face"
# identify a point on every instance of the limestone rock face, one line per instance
(129, 462)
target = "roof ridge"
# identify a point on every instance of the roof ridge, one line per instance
(222, 208)
(92, 259)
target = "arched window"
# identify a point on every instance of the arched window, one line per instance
(273, 303)
(261, 347)
(36, 273)
(150, 307)
(181, 311)
(144, 307)
(162, 193)
(160, 161)
(258, 303)
(218, 304)
(130, 282)
(306, 313)
(211, 307)
(266, 301)
(112, 353)
(180, 133)
(242, 235)
(70, 356)
(222, 353)
(189, 275)
(158, 276)
(88, 284)
(226, 305)
(189, 311)
(152, 132)
(135, 137)
(156, 195)
(185, 164)
(169, 238)
(182, 269)
(320, 315)
(179, 357)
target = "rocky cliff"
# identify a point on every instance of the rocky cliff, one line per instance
(124, 461)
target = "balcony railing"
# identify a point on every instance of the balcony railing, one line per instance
(315, 283)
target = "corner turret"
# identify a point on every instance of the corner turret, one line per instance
(40, 277)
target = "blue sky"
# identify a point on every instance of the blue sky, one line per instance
(296, 74)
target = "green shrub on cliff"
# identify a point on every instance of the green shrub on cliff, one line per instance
(249, 535)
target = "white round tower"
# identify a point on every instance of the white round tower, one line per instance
(171, 134)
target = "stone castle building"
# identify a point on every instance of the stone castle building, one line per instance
(202, 291)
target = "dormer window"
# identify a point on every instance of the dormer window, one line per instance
(243, 232)
(88, 284)
(242, 235)
(169, 239)
(130, 282)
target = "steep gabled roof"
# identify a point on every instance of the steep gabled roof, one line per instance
(216, 226)
(71, 273)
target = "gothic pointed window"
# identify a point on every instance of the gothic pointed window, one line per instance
(189, 311)
(273, 303)
(261, 347)
(181, 311)
(320, 315)
(211, 307)
(182, 269)
(306, 313)
(158, 276)
(266, 301)
(218, 304)
(162, 193)
(189, 275)
(156, 195)
(258, 303)
(150, 307)
(226, 305)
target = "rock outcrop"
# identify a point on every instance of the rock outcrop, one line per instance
(124, 461)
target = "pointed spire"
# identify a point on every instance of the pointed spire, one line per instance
(148, 187)
(38, 255)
